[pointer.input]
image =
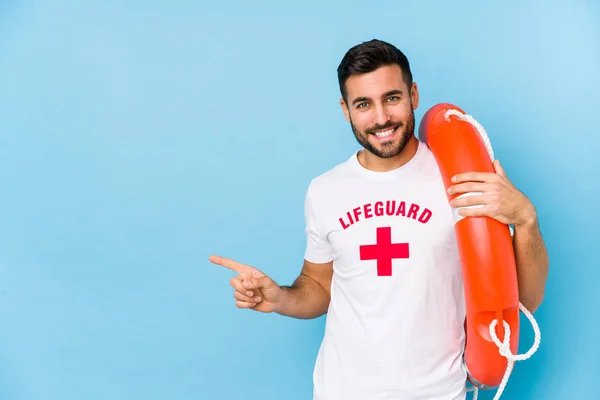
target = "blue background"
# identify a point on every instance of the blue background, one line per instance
(137, 138)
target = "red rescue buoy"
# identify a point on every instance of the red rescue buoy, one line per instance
(485, 248)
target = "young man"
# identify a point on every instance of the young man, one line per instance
(381, 257)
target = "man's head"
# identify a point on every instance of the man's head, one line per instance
(378, 97)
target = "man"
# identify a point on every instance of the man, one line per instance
(381, 257)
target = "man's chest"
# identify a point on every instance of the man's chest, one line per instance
(375, 232)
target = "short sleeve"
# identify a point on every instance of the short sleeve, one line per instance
(318, 247)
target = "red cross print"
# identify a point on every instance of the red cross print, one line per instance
(384, 251)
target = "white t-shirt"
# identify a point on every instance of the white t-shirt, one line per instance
(395, 324)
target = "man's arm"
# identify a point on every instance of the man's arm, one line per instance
(501, 200)
(532, 261)
(309, 295)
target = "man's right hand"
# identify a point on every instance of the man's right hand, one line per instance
(253, 289)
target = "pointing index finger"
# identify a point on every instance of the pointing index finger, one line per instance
(228, 263)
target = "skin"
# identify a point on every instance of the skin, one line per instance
(378, 101)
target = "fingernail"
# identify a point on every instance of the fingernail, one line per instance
(249, 293)
(257, 299)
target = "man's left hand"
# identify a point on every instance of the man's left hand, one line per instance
(499, 198)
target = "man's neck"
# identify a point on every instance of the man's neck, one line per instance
(372, 162)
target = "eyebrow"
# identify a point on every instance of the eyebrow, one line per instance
(386, 94)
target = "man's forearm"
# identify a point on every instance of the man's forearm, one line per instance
(532, 263)
(304, 299)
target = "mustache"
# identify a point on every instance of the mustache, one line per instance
(390, 124)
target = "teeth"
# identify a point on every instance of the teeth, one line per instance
(384, 133)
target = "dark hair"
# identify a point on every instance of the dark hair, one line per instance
(367, 57)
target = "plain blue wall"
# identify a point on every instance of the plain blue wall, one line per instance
(138, 138)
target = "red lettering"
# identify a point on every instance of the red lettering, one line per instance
(356, 213)
(425, 215)
(401, 209)
(412, 213)
(379, 208)
(391, 206)
(368, 211)
(344, 224)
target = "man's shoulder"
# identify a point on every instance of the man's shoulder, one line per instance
(327, 180)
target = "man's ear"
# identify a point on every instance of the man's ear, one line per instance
(345, 109)
(414, 94)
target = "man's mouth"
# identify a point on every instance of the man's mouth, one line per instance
(385, 133)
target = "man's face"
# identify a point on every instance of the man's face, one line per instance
(380, 110)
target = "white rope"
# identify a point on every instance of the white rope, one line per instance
(504, 346)
(475, 392)
(482, 132)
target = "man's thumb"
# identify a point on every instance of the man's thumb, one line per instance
(265, 282)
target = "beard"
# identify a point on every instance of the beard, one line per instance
(389, 148)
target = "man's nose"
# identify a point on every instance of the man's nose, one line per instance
(381, 116)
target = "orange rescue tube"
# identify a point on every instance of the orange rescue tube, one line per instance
(485, 248)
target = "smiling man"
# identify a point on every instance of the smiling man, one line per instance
(381, 257)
